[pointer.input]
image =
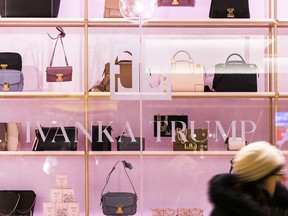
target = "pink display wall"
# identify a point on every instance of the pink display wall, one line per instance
(162, 178)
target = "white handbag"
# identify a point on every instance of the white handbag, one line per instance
(185, 75)
(235, 143)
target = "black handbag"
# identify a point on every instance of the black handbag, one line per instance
(125, 143)
(56, 138)
(166, 124)
(119, 203)
(10, 60)
(105, 143)
(235, 76)
(229, 9)
(17, 202)
(29, 8)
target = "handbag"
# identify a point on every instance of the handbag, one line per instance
(166, 124)
(125, 73)
(185, 75)
(11, 80)
(111, 9)
(55, 138)
(229, 9)
(119, 203)
(105, 144)
(9, 136)
(10, 60)
(189, 212)
(104, 86)
(235, 143)
(17, 202)
(190, 3)
(59, 73)
(125, 143)
(198, 141)
(235, 76)
(29, 8)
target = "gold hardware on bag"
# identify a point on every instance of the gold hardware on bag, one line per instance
(4, 66)
(230, 12)
(175, 2)
(192, 146)
(59, 77)
(5, 86)
(119, 209)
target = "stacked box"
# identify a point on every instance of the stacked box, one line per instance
(61, 199)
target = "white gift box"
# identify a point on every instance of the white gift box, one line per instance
(73, 209)
(56, 195)
(61, 209)
(61, 181)
(61, 195)
(68, 195)
(49, 209)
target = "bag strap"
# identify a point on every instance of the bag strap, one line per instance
(125, 165)
(61, 35)
(14, 208)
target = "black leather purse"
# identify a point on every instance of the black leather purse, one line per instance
(125, 143)
(119, 203)
(10, 60)
(229, 9)
(29, 8)
(105, 143)
(55, 138)
(17, 202)
(235, 76)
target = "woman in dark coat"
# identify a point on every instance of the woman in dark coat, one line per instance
(254, 188)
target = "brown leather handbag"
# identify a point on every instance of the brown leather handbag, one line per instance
(111, 9)
(59, 73)
(199, 142)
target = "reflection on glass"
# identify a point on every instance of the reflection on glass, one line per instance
(138, 11)
(49, 163)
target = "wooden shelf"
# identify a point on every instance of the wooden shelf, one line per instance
(25, 95)
(41, 22)
(42, 153)
(171, 23)
(193, 94)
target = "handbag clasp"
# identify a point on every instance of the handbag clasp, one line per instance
(191, 146)
(175, 2)
(119, 209)
(59, 78)
(4, 66)
(5, 86)
(230, 12)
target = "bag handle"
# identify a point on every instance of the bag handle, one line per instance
(233, 62)
(173, 60)
(125, 165)
(61, 35)
(117, 61)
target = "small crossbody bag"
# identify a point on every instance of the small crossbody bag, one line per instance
(59, 73)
